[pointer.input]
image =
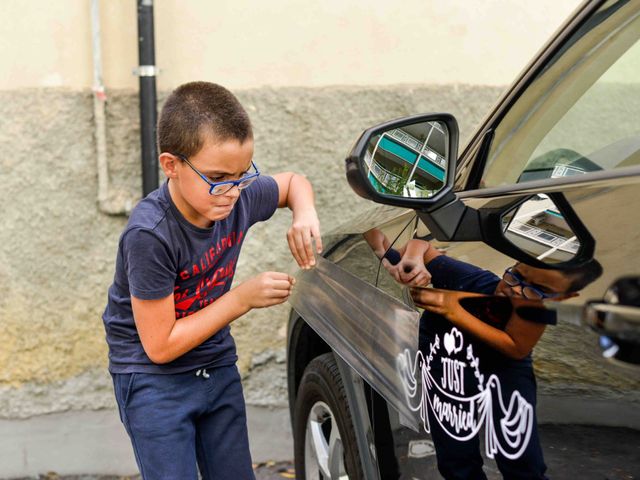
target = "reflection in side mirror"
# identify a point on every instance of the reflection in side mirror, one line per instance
(538, 227)
(409, 161)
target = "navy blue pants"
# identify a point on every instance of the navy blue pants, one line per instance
(181, 422)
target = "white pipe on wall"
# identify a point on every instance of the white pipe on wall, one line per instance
(106, 204)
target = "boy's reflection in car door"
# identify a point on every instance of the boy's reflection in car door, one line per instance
(476, 338)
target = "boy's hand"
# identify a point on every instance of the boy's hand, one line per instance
(265, 290)
(410, 271)
(304, 227)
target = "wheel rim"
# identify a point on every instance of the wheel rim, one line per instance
(323, 450)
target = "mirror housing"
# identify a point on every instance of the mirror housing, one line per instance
(356, 166)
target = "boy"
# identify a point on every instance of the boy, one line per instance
(171, 355)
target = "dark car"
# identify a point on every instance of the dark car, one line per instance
(550, 181)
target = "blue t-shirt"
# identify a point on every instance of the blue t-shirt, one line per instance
(450, 274)
(161, 253)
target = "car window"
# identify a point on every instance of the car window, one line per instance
(580, 114)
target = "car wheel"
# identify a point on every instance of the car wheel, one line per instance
(325, 440)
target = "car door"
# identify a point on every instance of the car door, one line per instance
(561, 152)
(571, 132)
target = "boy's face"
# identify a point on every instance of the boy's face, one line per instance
(548, 281)
(218, 161)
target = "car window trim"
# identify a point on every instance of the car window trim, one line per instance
(548, 184)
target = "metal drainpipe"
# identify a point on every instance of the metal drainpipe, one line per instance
(148, 108)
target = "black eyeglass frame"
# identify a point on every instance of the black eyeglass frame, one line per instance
(526, 287)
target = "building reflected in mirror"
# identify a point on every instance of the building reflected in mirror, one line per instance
(410, 161)
(538, 227)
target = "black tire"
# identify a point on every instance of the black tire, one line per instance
(322, 392)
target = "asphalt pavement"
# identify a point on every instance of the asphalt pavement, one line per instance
(571, 452)
(263, 471)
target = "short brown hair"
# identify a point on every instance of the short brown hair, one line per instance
(196, 109)
(584, 274)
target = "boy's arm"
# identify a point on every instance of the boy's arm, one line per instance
(377, 240)
(515, 341)
(295, 192)
(164, 338)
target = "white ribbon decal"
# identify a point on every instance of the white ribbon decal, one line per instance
(461, 415)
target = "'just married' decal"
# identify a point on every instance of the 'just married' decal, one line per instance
(438, 381)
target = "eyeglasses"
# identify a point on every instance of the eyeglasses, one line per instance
(513, 279)
(220, 188)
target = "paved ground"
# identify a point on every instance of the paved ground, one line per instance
(73, 443)
(264, 471)
(272, 471)
(571, 452)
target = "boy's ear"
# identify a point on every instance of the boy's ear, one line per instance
(169, 164)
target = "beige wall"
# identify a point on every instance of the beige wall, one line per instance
(252, 43)
(50, 327)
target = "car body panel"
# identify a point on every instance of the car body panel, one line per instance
(580, 381)
(367, 329)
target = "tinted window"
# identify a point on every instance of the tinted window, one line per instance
(580, 114)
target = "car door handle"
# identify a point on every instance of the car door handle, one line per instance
(620, 321)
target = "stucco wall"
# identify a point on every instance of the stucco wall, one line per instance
(58, 250)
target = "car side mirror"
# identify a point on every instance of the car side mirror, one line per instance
(409, 162)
